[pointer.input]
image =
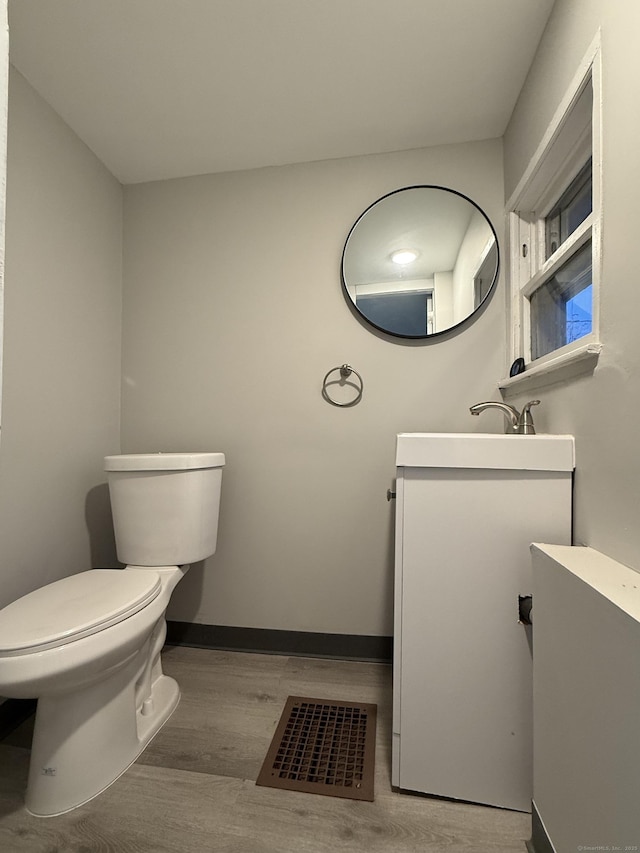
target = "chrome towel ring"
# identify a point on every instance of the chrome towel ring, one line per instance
(346, 372)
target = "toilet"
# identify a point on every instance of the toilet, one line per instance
(88, 646)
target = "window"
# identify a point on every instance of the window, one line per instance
(554, 233)
(570, 210)
(561, 308)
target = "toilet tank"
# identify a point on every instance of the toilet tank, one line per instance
(165, 506)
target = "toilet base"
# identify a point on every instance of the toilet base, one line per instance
(85, 740)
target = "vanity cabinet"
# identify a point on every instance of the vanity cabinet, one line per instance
(468, 508)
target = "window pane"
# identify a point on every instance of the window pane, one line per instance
(572, 208)
(580, 314)
(562, 307)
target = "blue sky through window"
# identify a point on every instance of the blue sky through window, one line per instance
(580, 314)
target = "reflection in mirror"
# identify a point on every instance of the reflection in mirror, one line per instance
(420, 261)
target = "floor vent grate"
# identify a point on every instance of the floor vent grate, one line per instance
(323, 747)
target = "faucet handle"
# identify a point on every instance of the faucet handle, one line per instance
(525, 421)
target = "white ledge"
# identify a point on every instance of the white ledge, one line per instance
(563, 367)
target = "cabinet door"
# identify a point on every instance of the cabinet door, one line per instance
(465, 667)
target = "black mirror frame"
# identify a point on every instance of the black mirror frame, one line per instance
(469, 317)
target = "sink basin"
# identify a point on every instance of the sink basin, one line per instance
(480, 450)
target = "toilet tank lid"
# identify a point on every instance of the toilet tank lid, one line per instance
(163, 461)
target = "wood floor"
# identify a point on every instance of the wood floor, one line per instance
(193, 791)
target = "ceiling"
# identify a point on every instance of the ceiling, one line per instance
(168, 88)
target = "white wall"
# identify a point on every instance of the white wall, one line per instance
(443, 300)
(4, 101)
(602, 410)
(471, 251)
(233, 313)
(62, 340)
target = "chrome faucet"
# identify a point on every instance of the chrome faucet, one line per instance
(518, 423)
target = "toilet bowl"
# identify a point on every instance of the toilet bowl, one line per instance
(88, 646)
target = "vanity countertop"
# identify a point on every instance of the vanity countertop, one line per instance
(485, 450)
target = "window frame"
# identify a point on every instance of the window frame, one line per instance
(574, 135)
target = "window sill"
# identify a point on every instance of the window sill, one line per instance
(578, 362)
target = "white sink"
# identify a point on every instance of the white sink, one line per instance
(480, 450)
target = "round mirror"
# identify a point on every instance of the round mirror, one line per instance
(420, 261)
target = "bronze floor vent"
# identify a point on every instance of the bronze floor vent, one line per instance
(323, 747)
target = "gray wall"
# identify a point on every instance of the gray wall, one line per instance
(4, 104)
(60, 407)
(600, 410)
(233, 313)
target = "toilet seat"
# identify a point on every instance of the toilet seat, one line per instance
(74, 607)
